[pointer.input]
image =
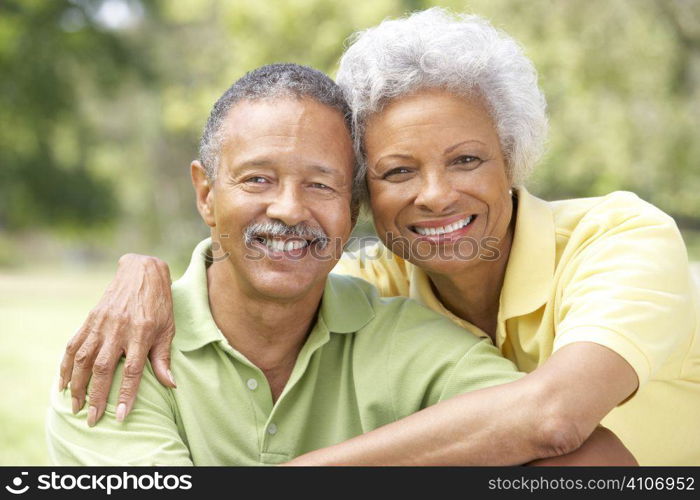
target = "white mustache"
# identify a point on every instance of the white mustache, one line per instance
(278, 228)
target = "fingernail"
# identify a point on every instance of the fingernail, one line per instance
(76, 406)
(92, 416)
(121, 412)
(61, 384)
(172, 379)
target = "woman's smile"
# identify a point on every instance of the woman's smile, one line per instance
(444, 229)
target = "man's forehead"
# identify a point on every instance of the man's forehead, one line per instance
(288, 106)
(260, 132)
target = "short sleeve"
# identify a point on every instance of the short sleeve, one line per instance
(432, 359)
(149, 435)
(628, 288)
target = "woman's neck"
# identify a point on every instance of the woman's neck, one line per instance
(474, 294)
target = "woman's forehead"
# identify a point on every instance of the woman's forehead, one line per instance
(430, 115)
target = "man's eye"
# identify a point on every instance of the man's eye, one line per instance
(318, 185)
(396, 172)
(256, 180)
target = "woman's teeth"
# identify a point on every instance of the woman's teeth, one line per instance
(434, 231)
(284, 246)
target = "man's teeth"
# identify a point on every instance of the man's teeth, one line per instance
(433, 231)
(284, 246)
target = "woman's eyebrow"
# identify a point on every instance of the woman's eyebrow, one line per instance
(452, 148)
(394, 155)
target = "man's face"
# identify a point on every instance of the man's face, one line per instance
(284, 162)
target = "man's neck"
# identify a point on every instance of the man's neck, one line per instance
(270, 333)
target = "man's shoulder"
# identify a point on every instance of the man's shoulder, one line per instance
(399, 319)
(408, 357)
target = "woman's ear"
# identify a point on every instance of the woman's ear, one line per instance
(204, 191)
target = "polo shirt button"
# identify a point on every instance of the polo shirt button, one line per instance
(252, 384)
(272, 429)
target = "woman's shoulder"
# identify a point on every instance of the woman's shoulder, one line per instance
(376, 264)
(608, 211)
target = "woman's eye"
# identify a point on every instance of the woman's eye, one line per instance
(318, 185)
(466, 160)
(395, 172)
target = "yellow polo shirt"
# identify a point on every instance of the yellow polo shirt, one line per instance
(611, 270)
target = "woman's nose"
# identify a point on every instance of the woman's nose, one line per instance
(436, 193)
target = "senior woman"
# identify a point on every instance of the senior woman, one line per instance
(592, 297)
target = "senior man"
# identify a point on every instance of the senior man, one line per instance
(274, 356)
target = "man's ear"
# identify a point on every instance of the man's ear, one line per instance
(204, 191)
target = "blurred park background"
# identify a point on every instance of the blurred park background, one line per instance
(102, 103)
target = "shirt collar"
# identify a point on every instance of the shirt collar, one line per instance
(345, 307)
(421, 290)
(530, 271)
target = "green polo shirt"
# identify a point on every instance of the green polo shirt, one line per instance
(368, 361)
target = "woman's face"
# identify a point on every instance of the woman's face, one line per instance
(437, 180)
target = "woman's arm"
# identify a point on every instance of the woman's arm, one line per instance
(550, 412)
(602, 448)
(134, 318)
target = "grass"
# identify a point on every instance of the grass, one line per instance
(39, 311)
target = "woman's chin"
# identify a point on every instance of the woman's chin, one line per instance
(445, 264)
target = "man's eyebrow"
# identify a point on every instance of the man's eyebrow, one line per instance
(265, 162)
(257, 162)
(452, 148)
(323, 169)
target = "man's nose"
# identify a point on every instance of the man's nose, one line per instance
(436, 194)
(288, 206)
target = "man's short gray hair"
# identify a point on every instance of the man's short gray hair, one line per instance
(266, 82)
(463, 54)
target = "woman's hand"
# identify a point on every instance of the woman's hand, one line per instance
(134, 318)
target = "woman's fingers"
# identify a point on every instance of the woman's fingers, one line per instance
(102, 375)
(82, 368)
(75, 343)
(136, 356)
(160, 358)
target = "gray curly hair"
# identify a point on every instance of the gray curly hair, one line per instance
(463, 54)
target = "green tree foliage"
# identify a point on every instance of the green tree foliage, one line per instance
(46, 66)
(102, 101)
